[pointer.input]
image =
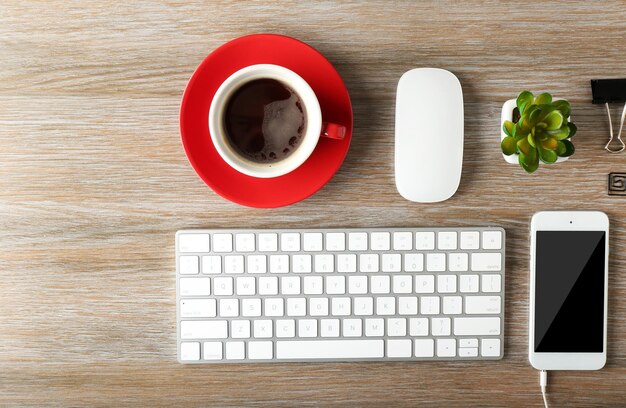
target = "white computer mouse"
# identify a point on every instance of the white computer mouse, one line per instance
(429, 135)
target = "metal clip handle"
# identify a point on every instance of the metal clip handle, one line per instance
(619, 134)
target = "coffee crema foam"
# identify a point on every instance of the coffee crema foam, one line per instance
(265, 121)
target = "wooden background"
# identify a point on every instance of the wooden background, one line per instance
(94, 183)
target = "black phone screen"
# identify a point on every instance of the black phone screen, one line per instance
(569, 291)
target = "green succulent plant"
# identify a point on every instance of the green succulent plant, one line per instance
(540, 131)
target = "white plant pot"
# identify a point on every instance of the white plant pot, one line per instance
(507, 114)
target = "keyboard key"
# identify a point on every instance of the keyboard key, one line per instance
(335, 285)
(413, 262)
(446, 347)
(424, 347)
(425, 241)
(491, 283)
(203, 329)
(335, 241)
(446, 283)
(425, 284)
(301, 263)
(188, 265)
(279, 263)
(198, 308)
(195, 286)
(385, 306)
(244, 242)
(402, 241)
(446, 240)
(452, 305)
(380, 241)
(402, 284)
(268, 242)
(483, 304)
(290, 285)
(374, 327)
(257, 264)
(391, 262)
(189, 351)
(357, 241)
(492, 239)
(469, 283)
(223, 286)
(312, 285)
(229, 307)
(407, 305)
(486, 261)
(363, 306)
(318, 306)
(429, 305)
(418, 326)
(458, 262)
(268, 285)
(193, 243)
(398, 348)
(251, 307)
(368, 262)
(490, 347)
(233, 264)
(468, 352)
(240, 329)
(324, 263)
(296, 307)
(290, 242)
(440, 326)
(352, 328)
(312, 241)
(329, 327)
(212, 350)
(379, 284)
(340, 306)
(436, 262)
(396, 327)
(263, 329)
(285, 328)
(468, 343)
(327, 349)
(274, 307)
(307, 328)
(357, 285)
(346, 263)
(235, 350)
(260, 350)
(470, 240)
(476, 326)
(211, 264)
(222, 242)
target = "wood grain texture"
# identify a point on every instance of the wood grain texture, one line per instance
(94, 183)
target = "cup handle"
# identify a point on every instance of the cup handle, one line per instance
(333, 131)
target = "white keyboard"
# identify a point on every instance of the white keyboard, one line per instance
(340, 294)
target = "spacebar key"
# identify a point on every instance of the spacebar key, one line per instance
(328, 349)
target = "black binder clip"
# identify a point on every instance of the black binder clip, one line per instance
(611, 91)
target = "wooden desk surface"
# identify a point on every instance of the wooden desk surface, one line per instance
(94, 183)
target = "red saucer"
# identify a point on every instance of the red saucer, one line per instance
(301, 58)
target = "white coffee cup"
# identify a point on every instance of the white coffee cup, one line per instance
(313, 119)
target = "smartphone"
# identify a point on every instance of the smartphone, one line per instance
(569, 270)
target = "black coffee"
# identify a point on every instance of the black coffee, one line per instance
(265, 120)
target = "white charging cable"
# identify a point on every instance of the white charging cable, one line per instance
(543, 381)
